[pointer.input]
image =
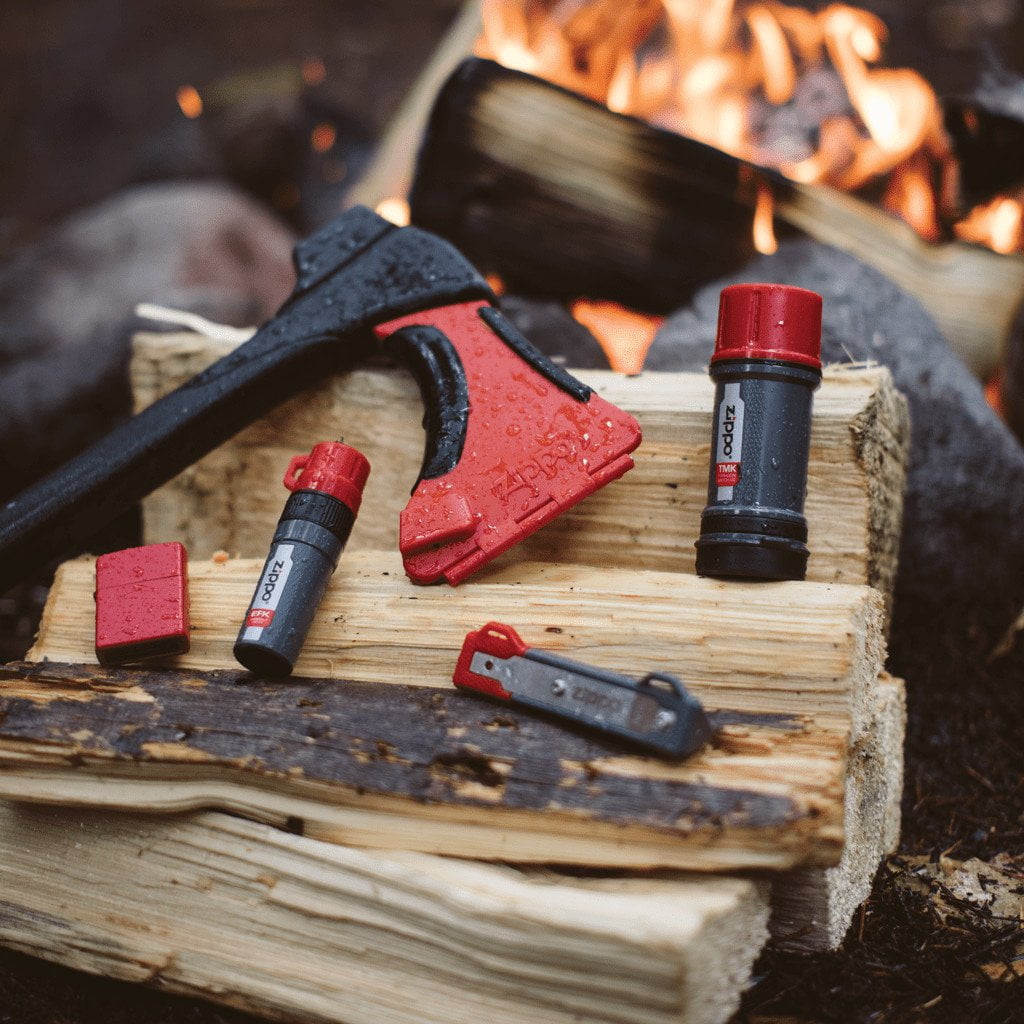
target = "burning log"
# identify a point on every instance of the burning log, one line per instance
(560, 195)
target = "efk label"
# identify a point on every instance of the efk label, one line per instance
(259, 618)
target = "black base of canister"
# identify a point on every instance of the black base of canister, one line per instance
(749, 557)
(752, 547)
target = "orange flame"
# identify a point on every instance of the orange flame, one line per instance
(395, 210)
(998, 224)
(764, 226)
(710, 68)
(624, 334)
(717, 70)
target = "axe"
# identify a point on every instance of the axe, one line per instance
(511, 439)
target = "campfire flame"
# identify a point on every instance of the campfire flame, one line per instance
(999, 224)
(780, 86)
(632, 332)
(394, 209)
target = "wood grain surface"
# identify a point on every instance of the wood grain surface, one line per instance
(294, 929)
(781, 648)
(647, 520)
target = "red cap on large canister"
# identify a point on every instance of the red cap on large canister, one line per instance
(332, 467)
(769, 321)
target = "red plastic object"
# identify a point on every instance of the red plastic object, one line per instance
(494, 638)
(332, 467)
(769, 321)
(531, 451)
(142, 603)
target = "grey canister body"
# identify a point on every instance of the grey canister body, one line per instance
(766, 367)
(753, 525)
(303, 556)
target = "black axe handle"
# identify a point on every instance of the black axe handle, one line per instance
(357, 271)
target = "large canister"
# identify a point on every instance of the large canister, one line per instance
(766, 367)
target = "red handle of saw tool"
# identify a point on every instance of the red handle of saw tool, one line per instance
(496, 639)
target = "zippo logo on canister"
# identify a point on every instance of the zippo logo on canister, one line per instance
(268, 592)
(729, 453)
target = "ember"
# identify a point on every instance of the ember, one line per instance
(189, 100)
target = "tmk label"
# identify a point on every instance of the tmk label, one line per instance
(727, 474)
(268, 593)
(730, 441)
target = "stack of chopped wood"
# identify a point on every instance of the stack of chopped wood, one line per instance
(364, 842)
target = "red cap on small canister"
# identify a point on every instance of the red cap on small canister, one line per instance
(335, 468)
(769, 321)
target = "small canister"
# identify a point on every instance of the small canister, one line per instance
(327, 488)
(766, 367)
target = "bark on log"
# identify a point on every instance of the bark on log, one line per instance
(421, 768)
(231, 499)
(811, 907)
(290, 928)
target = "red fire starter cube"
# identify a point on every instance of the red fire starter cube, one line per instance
(142, 603)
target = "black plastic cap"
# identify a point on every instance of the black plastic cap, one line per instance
(751, 556)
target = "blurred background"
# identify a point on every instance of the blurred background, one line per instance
(100, 95)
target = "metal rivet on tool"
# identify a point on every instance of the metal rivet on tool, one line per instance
(663, 719)
(558, 687)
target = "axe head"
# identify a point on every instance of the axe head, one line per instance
(512, 439)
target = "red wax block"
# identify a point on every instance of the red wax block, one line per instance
(141, 603)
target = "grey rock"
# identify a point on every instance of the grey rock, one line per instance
(67, 306)
(551, 327)
(961, 573)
